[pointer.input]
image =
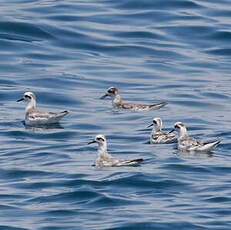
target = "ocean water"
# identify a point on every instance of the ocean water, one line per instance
(68, 53)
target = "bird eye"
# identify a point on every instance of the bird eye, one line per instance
(26, 96)
(154, 121)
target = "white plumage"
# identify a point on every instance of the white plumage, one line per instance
(187, 143)
(36, 117)
(158, 136)
(104, 159)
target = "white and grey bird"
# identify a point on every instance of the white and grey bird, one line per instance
(186, 143)
(117, 102)
(158, 136)
(36, 117)
(104, 159)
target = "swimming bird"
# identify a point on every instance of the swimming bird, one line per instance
(158, 136)
(189, 143)
(36, 117)
(104, 159)
(117, 102)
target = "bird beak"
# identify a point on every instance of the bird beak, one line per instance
(105, 95)
(149, 126)
(171, 131)
(91, 142)
(20, 99)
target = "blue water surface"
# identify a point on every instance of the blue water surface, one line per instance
(68, 53)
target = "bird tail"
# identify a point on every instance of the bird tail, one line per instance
(133, 162)
(210, 145)
(61, 115)
(159, 105)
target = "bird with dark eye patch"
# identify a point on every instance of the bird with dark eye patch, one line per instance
(112, 90)
(117, 102)
(104, 159)
(158, 136)
(178, 125)
(27, 96)
(36, 117)
(100, 139)
(186, 143)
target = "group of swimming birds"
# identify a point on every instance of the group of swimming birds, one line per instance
(35, 117)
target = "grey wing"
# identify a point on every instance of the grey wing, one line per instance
(39, 115)
(168, 136)
(112, 161)
(106, 162)
(129, 162)
(135, 106)
(127, 105)
(164, 136)
(191, 142)
(155, 136)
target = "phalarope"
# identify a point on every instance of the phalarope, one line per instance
(189, 143)
(104, 159)
(158, 136)
(117, 102)
(36, 117)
